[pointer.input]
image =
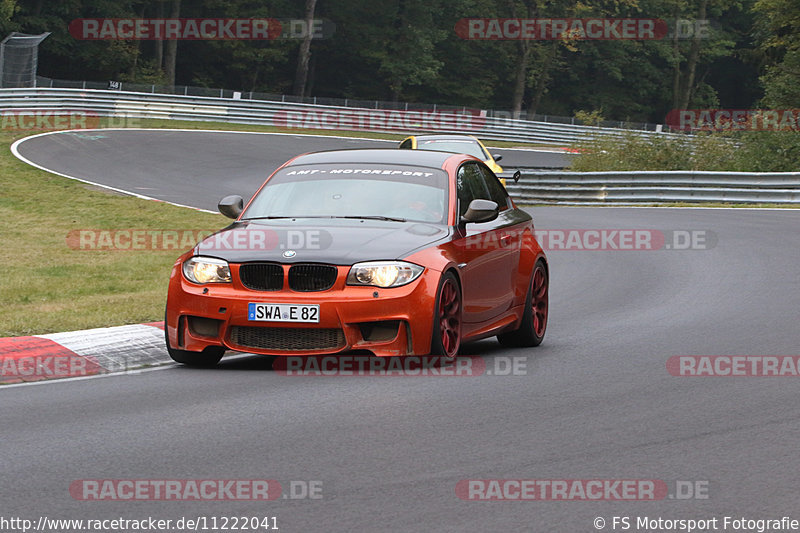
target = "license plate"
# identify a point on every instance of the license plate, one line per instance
(267, 312)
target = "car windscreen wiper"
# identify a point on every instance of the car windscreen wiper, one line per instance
(373, 217)
(360, 217)
(282, 216)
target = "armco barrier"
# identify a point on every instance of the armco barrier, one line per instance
(655, 187)
(170, 106)
(533, 187)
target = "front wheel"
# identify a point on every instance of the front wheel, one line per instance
(534, 319)
(446, 339)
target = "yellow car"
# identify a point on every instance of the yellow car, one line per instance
(457, 144)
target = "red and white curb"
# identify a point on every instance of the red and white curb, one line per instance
(82, 353)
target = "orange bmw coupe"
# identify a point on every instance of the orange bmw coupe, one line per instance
(390, 251)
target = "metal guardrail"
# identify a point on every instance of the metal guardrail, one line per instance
(187, 90)
(656, 187)
(302, 116)
(533, 187)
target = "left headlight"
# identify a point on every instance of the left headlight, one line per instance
(383, 273)
(206, 270)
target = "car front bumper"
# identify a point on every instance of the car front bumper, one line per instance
(386, 322)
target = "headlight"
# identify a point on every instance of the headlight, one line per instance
(383, 273)
(206, 270)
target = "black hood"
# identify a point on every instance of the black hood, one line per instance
(333, 241)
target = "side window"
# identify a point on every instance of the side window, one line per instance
(406, 145)
(470, 186)
(497, 193)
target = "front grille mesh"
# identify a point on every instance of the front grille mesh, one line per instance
(262, 276)
(309, 278)
(287, 339)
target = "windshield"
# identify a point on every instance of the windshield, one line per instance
(455, 146)
(342, 190)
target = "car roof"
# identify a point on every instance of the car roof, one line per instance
(391, 156)
(440, 137)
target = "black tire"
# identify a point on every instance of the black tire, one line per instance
(205, 359)
(447, 341)
(534, 323)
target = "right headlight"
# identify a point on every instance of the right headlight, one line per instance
(203, 270)
(383, 273)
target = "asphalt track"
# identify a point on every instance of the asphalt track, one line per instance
(595, 401)
(197, 167)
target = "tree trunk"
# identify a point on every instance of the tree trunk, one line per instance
(160, 42)
(132, 71)
(301, 75)
(521, 77)
(544, 78)
(676, 58)
(171, 55)
(523, 58)
(691, 68)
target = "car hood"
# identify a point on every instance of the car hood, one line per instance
(339, 241)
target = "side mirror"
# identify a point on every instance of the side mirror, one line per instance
(497, 157)
(480, 211)
(231, 206)
(517, 175)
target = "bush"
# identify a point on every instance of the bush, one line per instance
(738, 152)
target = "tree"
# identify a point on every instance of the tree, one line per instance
(776, 26)
(303, 55)
(171, 55)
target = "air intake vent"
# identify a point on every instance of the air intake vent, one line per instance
(310, 278)
(261, 276)
(287, 339)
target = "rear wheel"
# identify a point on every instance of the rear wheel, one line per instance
(534, 319)
(446, 339)
(207, 358)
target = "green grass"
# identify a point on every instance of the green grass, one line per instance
(48, 286)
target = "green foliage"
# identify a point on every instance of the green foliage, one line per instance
(590, 118)
(759, 151)
(408, 50)
(776, 25)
